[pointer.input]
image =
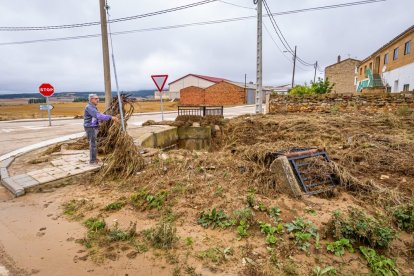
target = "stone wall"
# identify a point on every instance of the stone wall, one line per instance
(400, 102)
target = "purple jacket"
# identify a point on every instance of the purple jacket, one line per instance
(92, 116)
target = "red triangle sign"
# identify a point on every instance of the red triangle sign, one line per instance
(159, 81)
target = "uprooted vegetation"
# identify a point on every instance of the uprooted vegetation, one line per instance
(223, 210)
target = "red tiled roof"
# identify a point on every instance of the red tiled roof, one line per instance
(212, 79)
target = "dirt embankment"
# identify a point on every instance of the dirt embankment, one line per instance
(221, 213)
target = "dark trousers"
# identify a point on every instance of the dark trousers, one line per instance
(91, 134)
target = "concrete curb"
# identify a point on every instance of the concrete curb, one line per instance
(41, 145)
(11, 183)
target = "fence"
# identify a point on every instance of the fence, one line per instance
(200, 111)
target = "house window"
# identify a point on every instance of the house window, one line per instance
(360, 71)
(386, 58)
(370, 65)
(365, 71)
(406, 87)
(388, 89)
(407, 49)
(395, 57)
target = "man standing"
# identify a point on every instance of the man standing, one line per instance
(92, 117)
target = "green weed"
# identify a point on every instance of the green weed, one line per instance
(145, 199)
(311, 211)
(242, 229)
(95, 224)
(243, 218)
(329, 270)
(214, 219)
(379, 265)
(189, 241)
(73, 207)
(163, 236)
(360, 227)
(215, 254)
(338, 247)
(270, 232)
(251, 197)
(219, 191)
(114, 206)
(116, 234)
(303, 232)
(403, 216)
(274, 213)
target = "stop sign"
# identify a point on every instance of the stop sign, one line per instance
(46, 90)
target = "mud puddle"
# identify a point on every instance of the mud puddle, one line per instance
(36, 240)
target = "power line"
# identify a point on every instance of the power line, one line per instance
(212, 22)
(236, 5)
(281, 36)
(122, 19)
(281, 51)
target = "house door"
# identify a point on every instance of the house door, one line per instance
(396, 88)
(377, 65)
(251, 96)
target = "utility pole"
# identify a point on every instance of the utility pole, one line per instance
(259, 76)
(105, 52)
(316, 66)
(294, 68)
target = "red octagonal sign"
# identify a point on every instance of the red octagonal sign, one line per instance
(46, 90)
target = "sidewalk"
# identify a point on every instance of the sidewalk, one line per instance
(38, 169)
(63, 164)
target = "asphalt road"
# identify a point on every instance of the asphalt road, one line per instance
(21, 133)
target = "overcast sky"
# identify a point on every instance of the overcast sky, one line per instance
(223, 50)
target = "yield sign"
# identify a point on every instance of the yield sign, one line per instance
(160, 81)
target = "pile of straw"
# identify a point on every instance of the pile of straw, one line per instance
(123, 157)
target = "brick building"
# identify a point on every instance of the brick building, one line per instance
(391, 67)
(343, 74)
(188, 80)
(222, 93)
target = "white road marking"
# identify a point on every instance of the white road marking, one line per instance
(33, 127)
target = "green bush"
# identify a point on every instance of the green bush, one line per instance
(403, 216)
(301, 90)
(362, 228)
(316, 88)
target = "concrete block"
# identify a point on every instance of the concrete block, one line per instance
(44, 178)
(165, 137)
(13, 187)
(3, 173)
(194, 132)
(6, 163)
(285, 177)
(26, 181)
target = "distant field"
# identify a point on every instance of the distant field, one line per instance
(26, 111)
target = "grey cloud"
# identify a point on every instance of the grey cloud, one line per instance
(224, 50)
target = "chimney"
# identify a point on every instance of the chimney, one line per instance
(339, 58)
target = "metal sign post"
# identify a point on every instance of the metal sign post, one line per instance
(47, 91)
(160, 81)
(48, 112)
